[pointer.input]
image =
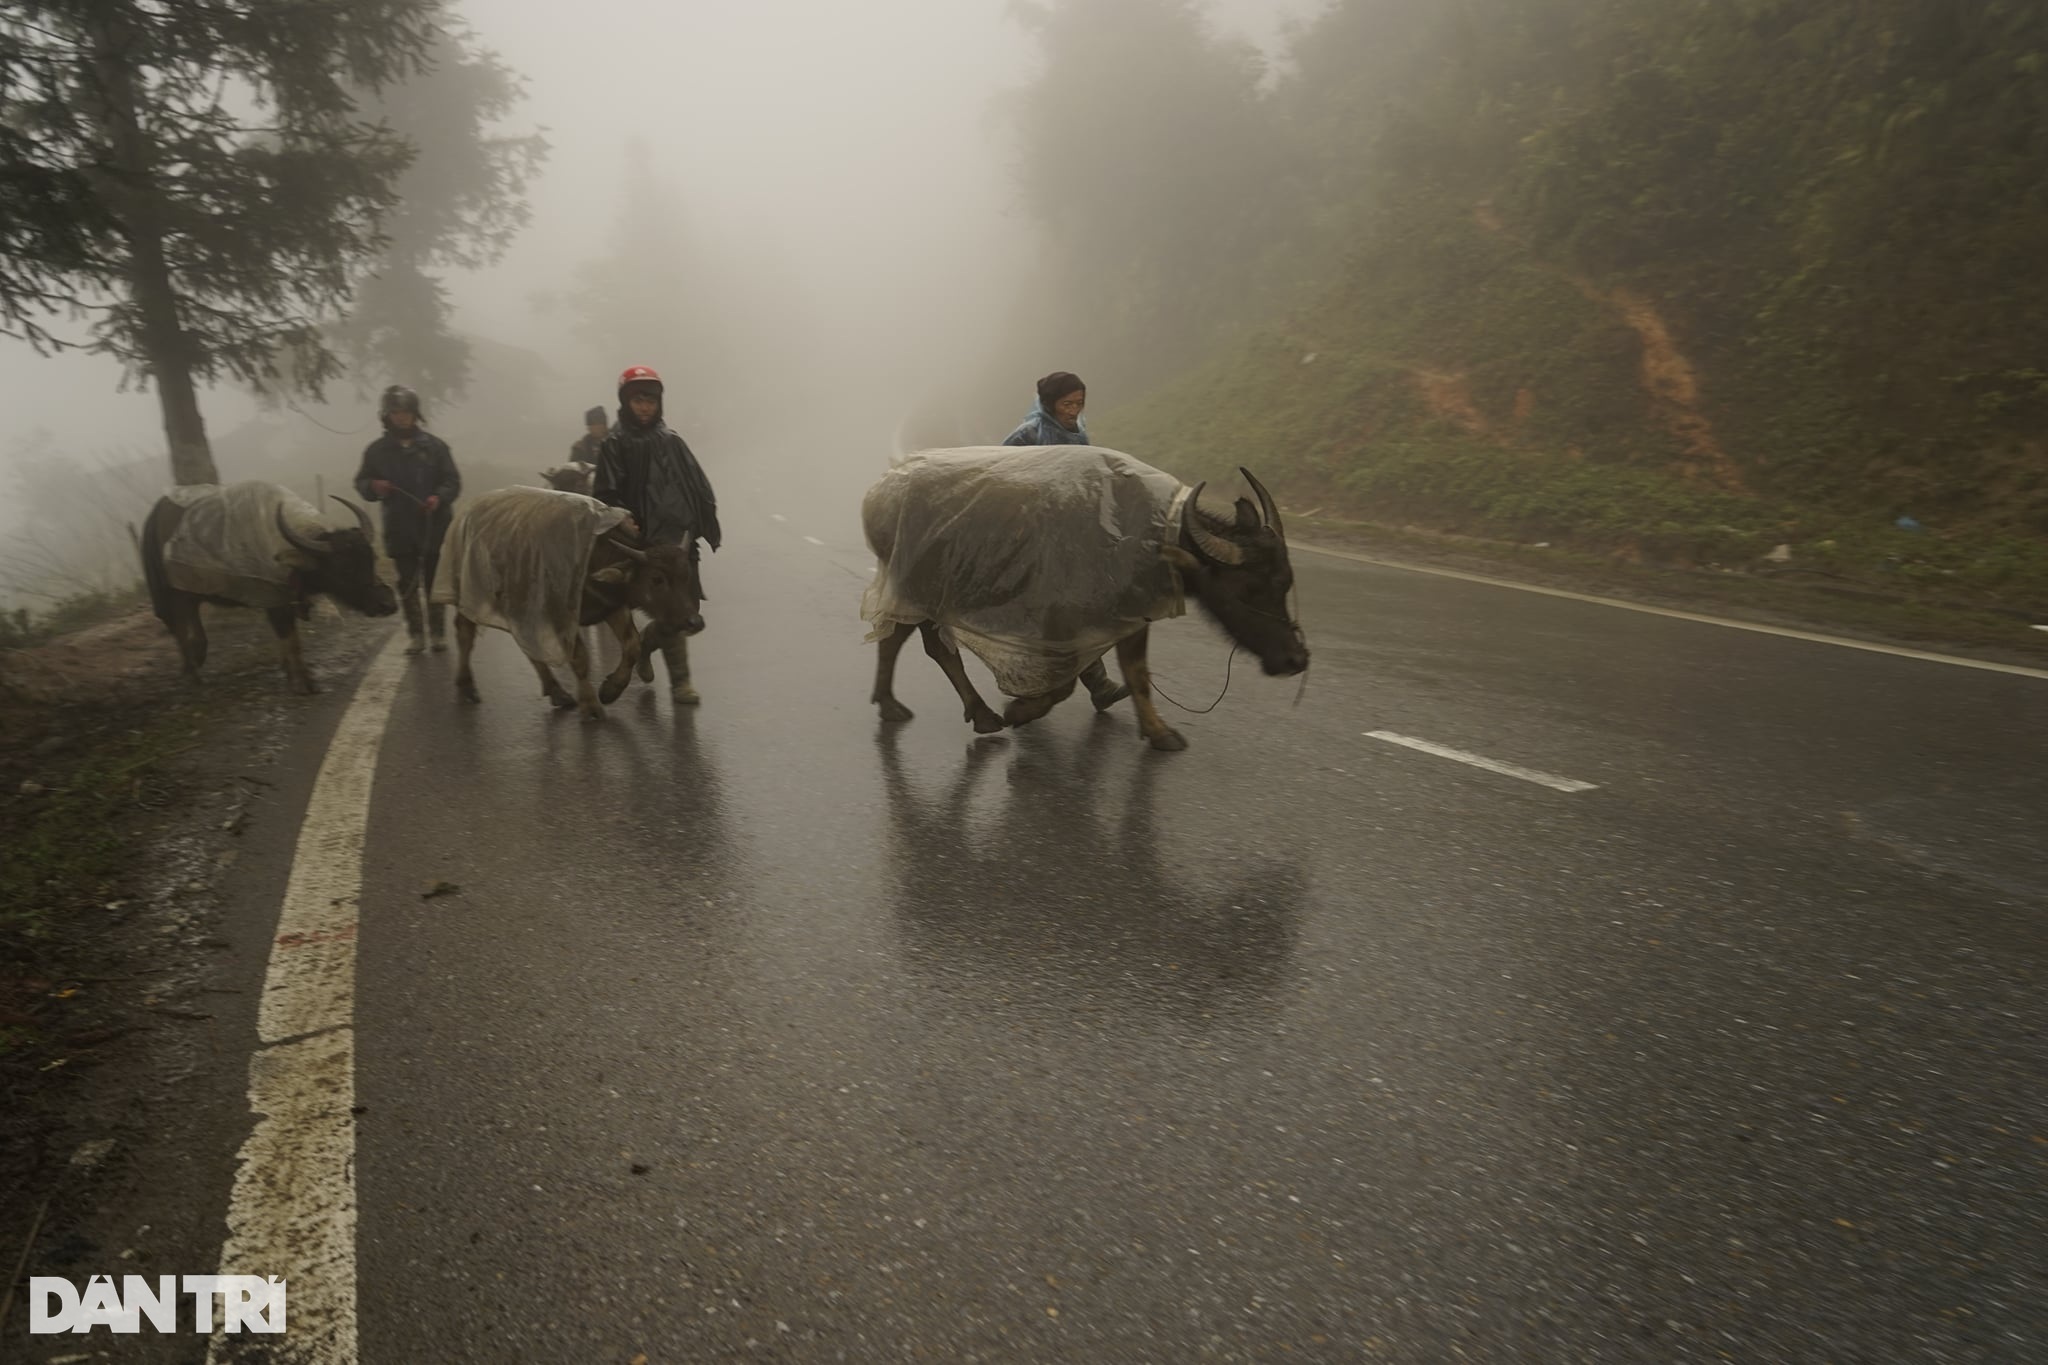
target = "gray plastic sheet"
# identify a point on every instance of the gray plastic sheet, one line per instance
(228, 545)
(516, 559)
(1036, 559)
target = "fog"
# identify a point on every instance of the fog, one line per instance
(842, 193)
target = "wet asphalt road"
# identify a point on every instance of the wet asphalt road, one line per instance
(767, 1032)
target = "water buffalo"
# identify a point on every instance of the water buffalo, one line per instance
(982, 541)
(573, 477)
(255, 545)
(540, 565)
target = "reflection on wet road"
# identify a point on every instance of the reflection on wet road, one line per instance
(766, 1030)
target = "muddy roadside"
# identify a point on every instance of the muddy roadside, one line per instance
(147, 825)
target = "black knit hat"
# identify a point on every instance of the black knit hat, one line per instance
(595, 418)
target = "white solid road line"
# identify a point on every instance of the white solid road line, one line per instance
(293, 1210)
(1492, 765)
(1813, 637)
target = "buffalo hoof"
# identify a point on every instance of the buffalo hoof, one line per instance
(682, 694)
(466, 691)
(561, 701)
(608, 691)
(308, 688)
(591, 713)
(1024, 710)
(895, 712)
(986, 722)
(645, 667)
(440, 646)
(1168, 741)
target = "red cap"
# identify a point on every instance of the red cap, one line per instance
(638, 374)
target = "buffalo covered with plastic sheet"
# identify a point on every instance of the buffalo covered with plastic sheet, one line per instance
(540, 564)
(516, 559)
(254, 545)
(231, 543)
(1039, 559)
(1036, 560)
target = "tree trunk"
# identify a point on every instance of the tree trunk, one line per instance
(166, 348)
(184, 427)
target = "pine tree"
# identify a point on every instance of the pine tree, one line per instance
(199, 182)
(460, 203)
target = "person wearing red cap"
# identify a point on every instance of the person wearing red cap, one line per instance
(647, 469)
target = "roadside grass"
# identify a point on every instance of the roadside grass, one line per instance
(63, 833)
(1571, 521)
(21, 627)
(69, 838)
(92, 712)
(1453, 387)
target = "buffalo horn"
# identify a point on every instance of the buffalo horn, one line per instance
(362, 517)
(298, 541)
(637, 556)
(1207, 541)
(1266, 504)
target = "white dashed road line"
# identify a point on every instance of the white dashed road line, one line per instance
(1492, 765)
(814, 540)
(293, 1210)
(1812, 637)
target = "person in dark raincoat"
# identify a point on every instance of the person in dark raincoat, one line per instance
(592, 440)
(412, 472)
(1055, 420)
(646, 468)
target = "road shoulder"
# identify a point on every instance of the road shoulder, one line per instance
(1850, 610)
(133, 1003)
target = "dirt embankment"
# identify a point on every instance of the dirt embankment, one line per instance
(1669, 379)
(126, 793)
(1448, 396)
(127, 659)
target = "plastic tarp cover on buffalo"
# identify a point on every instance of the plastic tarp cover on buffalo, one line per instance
(1038, 559)
(516, 559)
(228, 545)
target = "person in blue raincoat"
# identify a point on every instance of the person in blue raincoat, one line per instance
(1055, 419)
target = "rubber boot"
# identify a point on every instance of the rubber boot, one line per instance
(417, 644)
(437, 625)
(1105, 693)
(676, 654)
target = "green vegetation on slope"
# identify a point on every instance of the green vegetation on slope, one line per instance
(1678, 279)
